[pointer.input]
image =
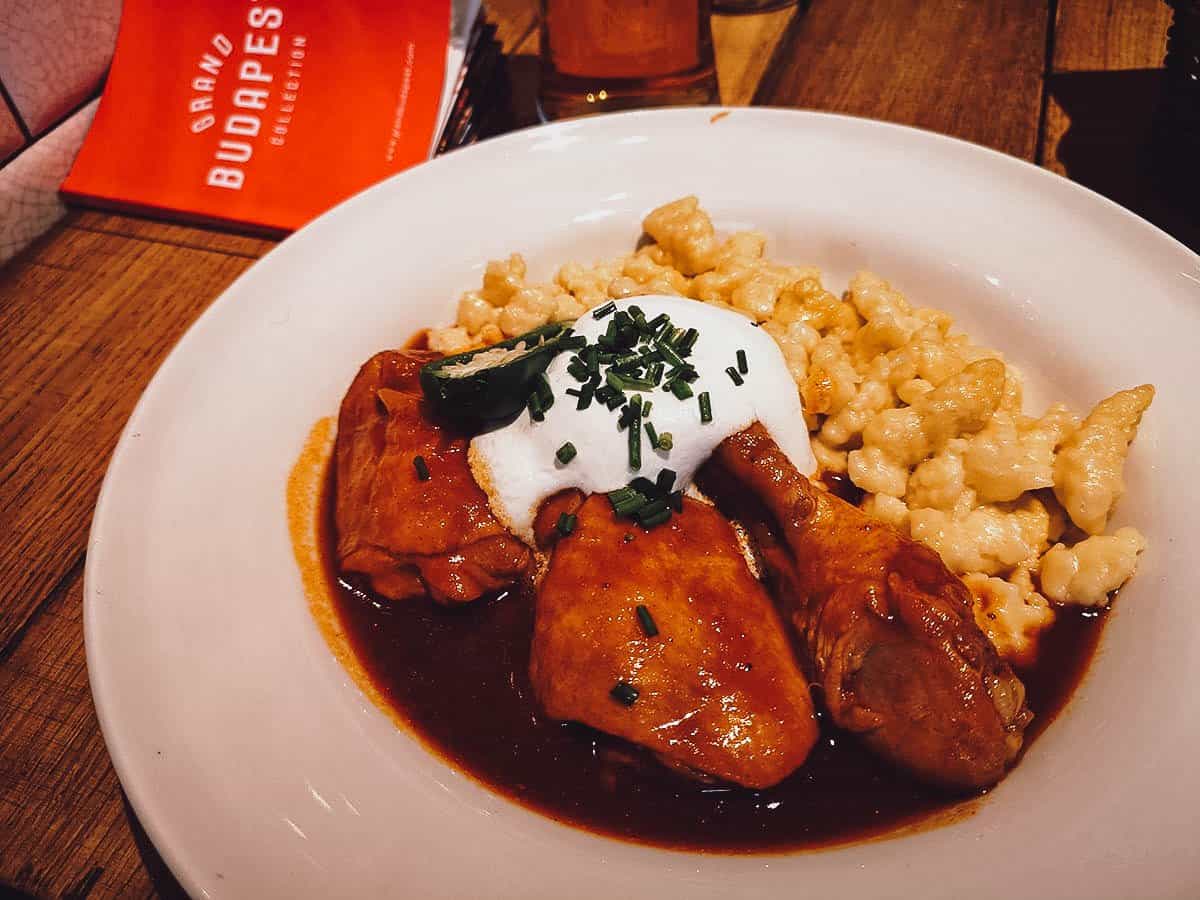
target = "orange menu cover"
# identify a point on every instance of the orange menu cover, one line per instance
(262, 114)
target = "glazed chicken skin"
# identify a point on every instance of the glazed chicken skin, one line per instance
(719, 689)
(887, 628)
(410, 537)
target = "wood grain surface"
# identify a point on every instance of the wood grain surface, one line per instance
(89, 311)
(973, 70)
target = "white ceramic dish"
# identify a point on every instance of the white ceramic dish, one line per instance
(258, 768)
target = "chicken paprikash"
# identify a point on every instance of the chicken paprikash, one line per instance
(685, 548)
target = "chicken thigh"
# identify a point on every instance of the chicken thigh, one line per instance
(707, 676)
(407, 534)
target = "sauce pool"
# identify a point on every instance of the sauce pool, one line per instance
(459, 677)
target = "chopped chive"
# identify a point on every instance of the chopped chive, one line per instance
(622, 506)
(657, 519)
(578, 371)
(591, 361)
(636, 312)
(642, 485)
(735, 376)
(576, 342)
(629, 504)
(566, 523)
(638, 384)
(624, 693)
(604, 393)
(675, 498)
(665, 441)
(537, 411)
(705, 407)
(615, 381)
(585, 397)
(649, 626)
(743, 365)
(422, 469)
(618, 399)
(665, 480)
(635, 436)
(651, 509)
(620, 494)
(668, 353)
(687, 342)
(652, 434)
(628, 335)
(566, 453)
(601, 311)
(658, 321)
(646, 404)
(681, 389)
(674, 337)
(573, 392)
(656, 372)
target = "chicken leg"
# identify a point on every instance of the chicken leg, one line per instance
(886, 628)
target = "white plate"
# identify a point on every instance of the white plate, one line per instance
(257, 767)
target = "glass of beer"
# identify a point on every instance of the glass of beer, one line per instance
(604, 55)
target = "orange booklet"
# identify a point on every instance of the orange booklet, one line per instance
(262, 116)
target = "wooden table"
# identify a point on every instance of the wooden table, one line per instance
(89, 312)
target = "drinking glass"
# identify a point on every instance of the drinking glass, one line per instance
(603, 55)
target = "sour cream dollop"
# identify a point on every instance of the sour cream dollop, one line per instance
(517, 466)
